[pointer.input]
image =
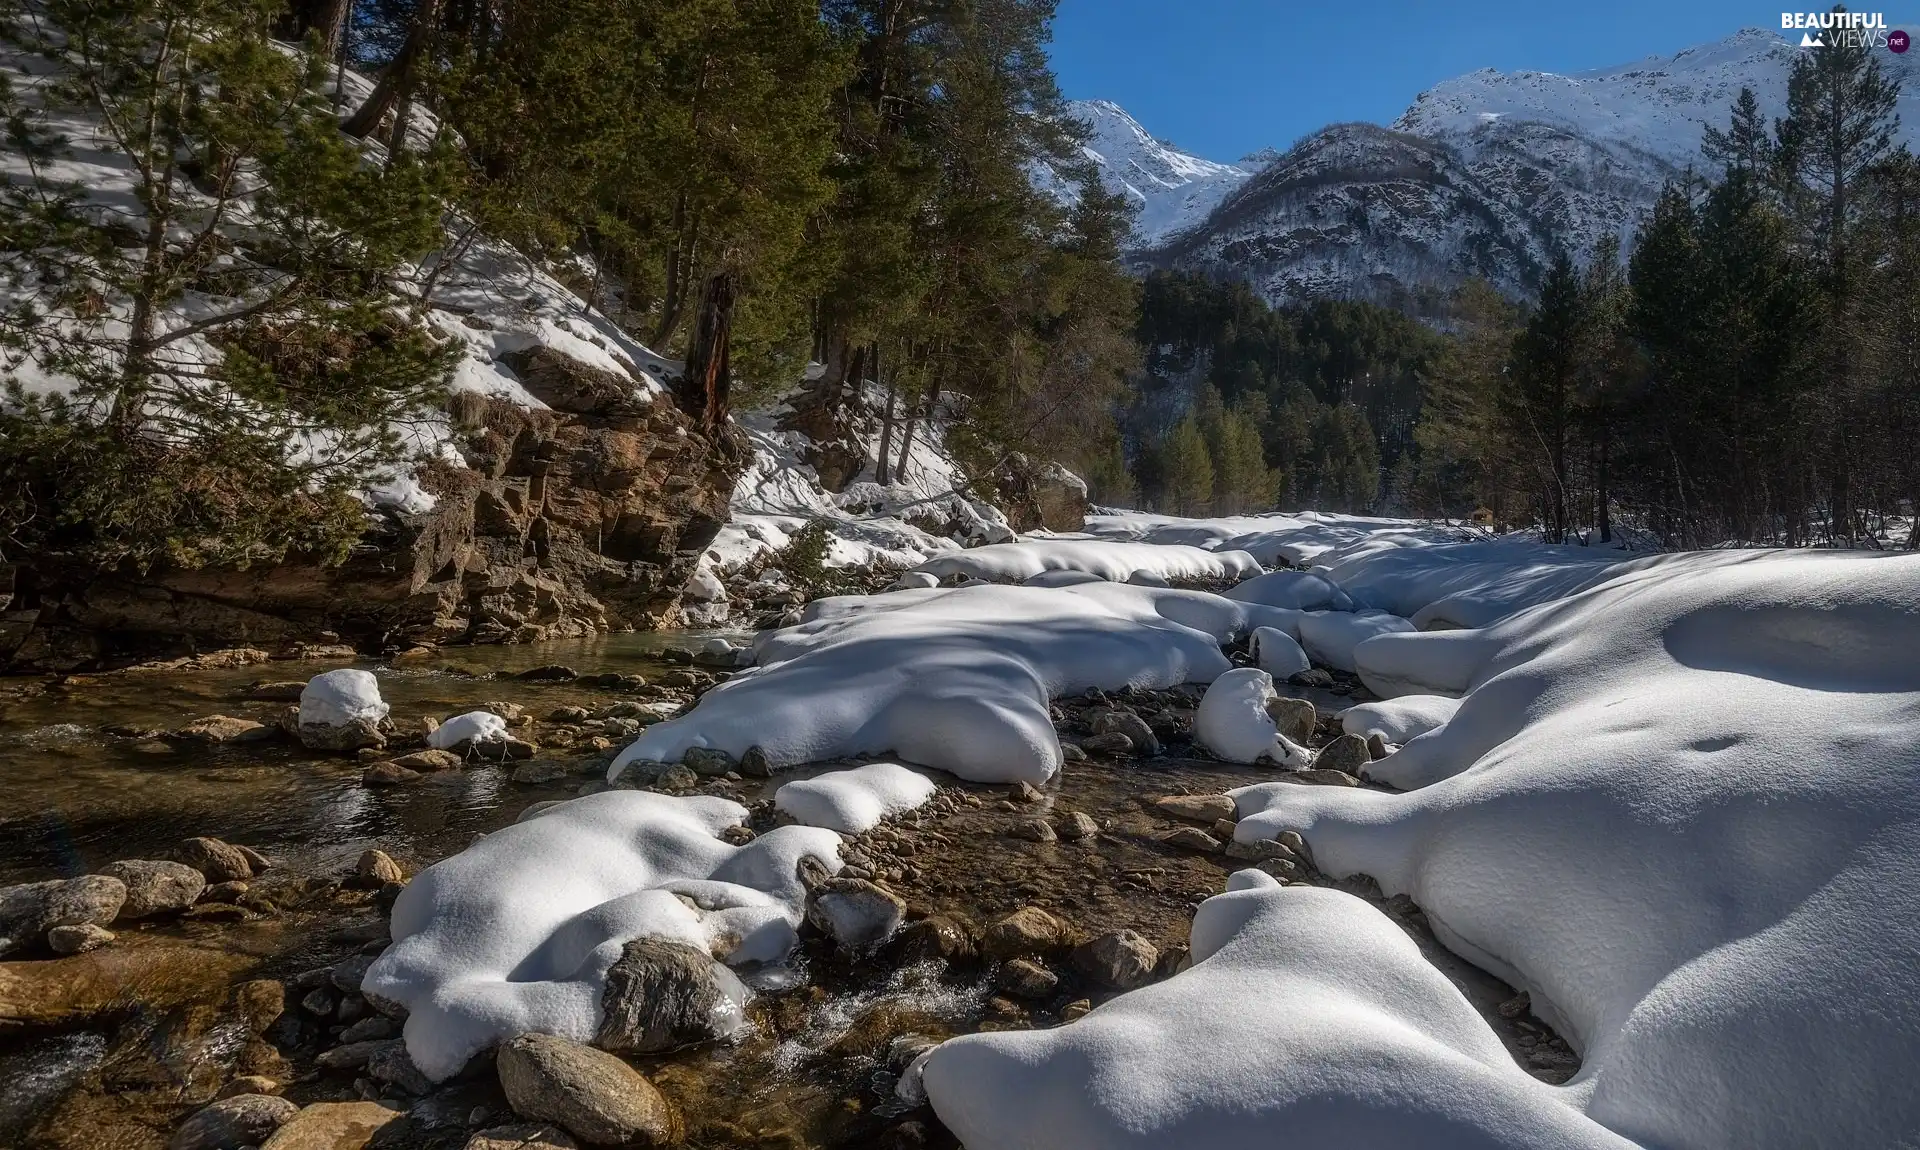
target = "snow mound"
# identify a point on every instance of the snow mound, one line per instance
(1399, 719)
(1695, 789)
(472, 727)
(1308, 1019)
(336, 698)
(1330, 636)
(854, 800)
(1298, 590)
(516, 933)
(1278, 652)
(1299, 538)
(954, 678)
(1232, 721)
(1115, 562)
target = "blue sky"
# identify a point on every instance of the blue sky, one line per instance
(1221, 78)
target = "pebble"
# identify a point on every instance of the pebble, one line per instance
(1078, 825)
(1200, 808)
(1191, 838)
(376, 868)
(1034, 830)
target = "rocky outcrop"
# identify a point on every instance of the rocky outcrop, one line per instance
(586, 518)
(1041, 495)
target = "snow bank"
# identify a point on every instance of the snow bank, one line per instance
(1681, 810)
(1399, 719)
(854, 800)
(336, 698)
(1299, 538)
(1278, 653)
(516, 932)
(472, 727)
(1232, 721)
(1298, 590)
(954, 678)
(1330, 636)
(1115, 562)
(1308, 1019)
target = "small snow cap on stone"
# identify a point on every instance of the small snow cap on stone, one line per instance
(1233, 722)
(472, 727)
(336, 698)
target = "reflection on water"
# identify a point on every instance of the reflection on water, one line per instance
(74, 797)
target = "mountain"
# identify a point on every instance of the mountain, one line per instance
(1174, 189)
(1487, 174)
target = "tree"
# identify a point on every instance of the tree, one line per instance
(1186, 469)
(221, 337)
(1745, 145)
(1540, 392)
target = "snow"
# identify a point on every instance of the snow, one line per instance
(1278, 652)
(1172, 189)
(336, 698)
(1116, 562)
(1232, 721)
(1399, 719)
(1298, 590)
(1330, 636)
(855, 800)
(1308, 1019)
(517, 932)
(1681, 809)
(1299, 538)
(954, 678)
(472, 727)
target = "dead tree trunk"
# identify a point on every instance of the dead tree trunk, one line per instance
(703, 390)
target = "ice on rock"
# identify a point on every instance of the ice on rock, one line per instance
(1297, 590)
(954, 678)
(1308, 1019)
(1115, 562)
(517, 932)
(336, 698)
(1682, 810)
(854, 800)
(472, 727)
(1232, 721)
(1278, 653)
(1330, 636)
(1399, 719)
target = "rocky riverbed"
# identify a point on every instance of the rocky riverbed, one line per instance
(226, 886)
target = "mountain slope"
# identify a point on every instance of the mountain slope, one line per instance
(1173, 189)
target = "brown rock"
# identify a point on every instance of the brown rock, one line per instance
(155, 887)
(1296, 718)
(247, 1084)
(662, 995)
(1024, 978)
(1200, 808)
(78, 939)
(218, 861)
(589, 1093)
(225, 729)
(333, 1126)
(1346, 754)
(376, 869)
(937, 938)
(1078, 825)
(1191, 838)
(1034, 830)
(242, 1120)
(30, 910)
(387, 774)
(522, 1136)
(1028, 930)
(1120, 959)
(431, 759)
(260, 1003)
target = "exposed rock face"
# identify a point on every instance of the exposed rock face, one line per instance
(662, 995)
(1037, 495)
(586, 518)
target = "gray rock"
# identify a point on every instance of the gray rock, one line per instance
(1191, 838)
(677, 777)
(1110, 743)
(1296, 718)
(1132, 726)
(78, 939)
(1200, 808)
(243, 1120)
(349, 973)
(662, 995)
(29, 911)
(854, 912)
(1078, 825)
(1258, 851)
(1313, 677)
(541, 771)
(1025, 978)
(1377, 746)
(347, 737)
(370, 1029)
(589, 1093)
(1070, 753)
(392, 1065)
(218, 861)
(1028, 930)
(707, 761)
(1034, 830)
(522, 1136)
(754, 765)
(155, 886)
(354, 1055)
(1347, 754)
(1120, 959)
(936, 938)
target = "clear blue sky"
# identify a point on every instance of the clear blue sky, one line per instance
(1221, 78)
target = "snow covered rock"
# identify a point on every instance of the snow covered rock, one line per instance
(954, 678)
(1278, 653)
(1114, 562)
(518, 932)
(463, 731)
(1696, 790)
(1305, 1011)
(854, 800)
(1232, 721)
(663, 994)
(341, 710)
(1299, 590)
(1329, 637)
(1401, 719)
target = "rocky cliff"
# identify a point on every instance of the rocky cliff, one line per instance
(584, 518)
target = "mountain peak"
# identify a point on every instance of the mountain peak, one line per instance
(1174, 189)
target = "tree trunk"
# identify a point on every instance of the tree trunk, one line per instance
(906, 438)
(397, 83)
(882, 470)
(324, 18)
(703, 390)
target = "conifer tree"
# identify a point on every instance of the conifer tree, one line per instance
(1186, 470)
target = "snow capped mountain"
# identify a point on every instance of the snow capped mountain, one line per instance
(1488, 174)
(1173, 189)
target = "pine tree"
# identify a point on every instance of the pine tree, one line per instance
(1540, 393)
(1745, 145)
(1186, 470)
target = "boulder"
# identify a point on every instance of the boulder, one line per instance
(242, 1120)
(225, 729)
(334, 1126)
(1034, 830)
(1026, 931)
(1024, 978)
(30, 910)
(1346, 754)
(218, 861)
(937, 938)
(1296, 718)
(854, 912)
(155, 886)
(387, 774)
(376, 869)
(662, 995)
(707, 761)
(78, 939)
(1120, 959)
(431, 759)
(1191, 838)
(1135, 728)
(522, 1136)
(1078, 825)
(1108, 743)
(1200, 808)
(591, 1094)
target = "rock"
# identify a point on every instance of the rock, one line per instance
(78, 939)
(372, 1028)
(1200, 808)
(1028, 930)
(854, 912)
(29, 911)
(541, 771)
(1223, 829)
(1024, 978)
(522, 1136)
(662, 995)
(155, 887)
(1024, 792)
(1120, 959)
(218, 861)
(1191, 838)
(1034, 830)
(1041, 495)
(1069, 753)
(1258, 851)
(286, 691)
(590, 1093)
(1377, 746)
(1078, 1008)
(375, 869)
(243, 1120)
(1295, 718)
(354, 1055)
(260, 863)
(225, 729)
(392, 1065)
(676, 777)
(1135, 728)
(1346, 754)
(754, 765)
(551, 673)
(347, 975)
(260, 1002)
(1318, 776)
(937, 938)
(345, 737)
(247, 1084)
(707, 761)
(387, 774)
(1078, 825)
(431, 759)
(568, 715)
(1314, 677)
(334, 1126)
(1111, 743)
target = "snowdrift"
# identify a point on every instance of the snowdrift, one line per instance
(954, 678)
(854, 800)
(1681, 810)
(1114, 562)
